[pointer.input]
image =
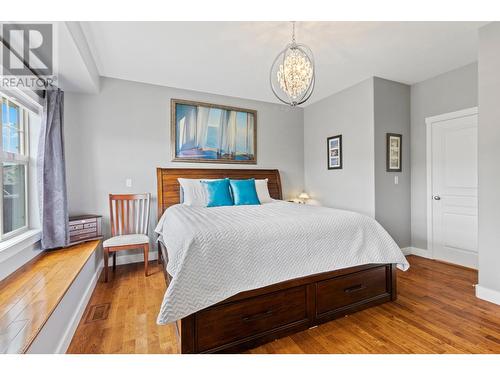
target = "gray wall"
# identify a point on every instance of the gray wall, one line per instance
(392, 202)
(363, 114)
(123, 132)
(109, 140)
(489, 157)
(448, 92)
(350, 113)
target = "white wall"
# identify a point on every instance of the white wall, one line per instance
(350, 113)
(489, 162)
(392, 201)
(17, 255)
(447, 92)
(124, 132)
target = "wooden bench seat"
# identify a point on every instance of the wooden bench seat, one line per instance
(30, 295)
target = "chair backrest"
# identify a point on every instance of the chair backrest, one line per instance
(129, 213)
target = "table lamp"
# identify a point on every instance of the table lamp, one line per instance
(304, 197)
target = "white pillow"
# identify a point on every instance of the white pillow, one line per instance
(263, 191)
(193, 192)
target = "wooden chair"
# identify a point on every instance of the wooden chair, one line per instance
(129, 218)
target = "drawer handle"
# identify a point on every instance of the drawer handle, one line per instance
(354, 288)
(251, 318)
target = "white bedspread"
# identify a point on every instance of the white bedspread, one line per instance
(215, 253)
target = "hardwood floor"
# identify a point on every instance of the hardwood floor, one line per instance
(436, 312)
(30, 295)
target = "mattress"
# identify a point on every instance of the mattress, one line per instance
(217, 252)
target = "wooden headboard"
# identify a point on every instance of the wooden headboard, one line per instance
(169, 187)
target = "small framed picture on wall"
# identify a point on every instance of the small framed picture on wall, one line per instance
(334, 149)
(393, 145)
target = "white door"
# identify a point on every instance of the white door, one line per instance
(454, 188)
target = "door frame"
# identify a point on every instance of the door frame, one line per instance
(429, 122)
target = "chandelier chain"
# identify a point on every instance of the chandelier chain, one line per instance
(293, 32)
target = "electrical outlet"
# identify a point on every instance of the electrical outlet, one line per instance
(128, 182)
(396, 180)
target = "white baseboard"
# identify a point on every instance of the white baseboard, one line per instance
(77, 316)
(133, 258)
(80, 309)
(75, 320)
(406, 251)
(57, 332)
(487, 294)
(483, 293)
(417, 251)
(16, 252)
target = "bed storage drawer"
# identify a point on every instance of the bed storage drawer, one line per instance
(335, 294)
(243, 319)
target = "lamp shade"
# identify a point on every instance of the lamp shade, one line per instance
(304, 195)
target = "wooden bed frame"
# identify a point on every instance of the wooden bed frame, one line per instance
(257, 316)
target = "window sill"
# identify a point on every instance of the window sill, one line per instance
(14, 245)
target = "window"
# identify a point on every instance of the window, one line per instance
(14, 164)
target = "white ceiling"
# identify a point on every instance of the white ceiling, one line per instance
(76, 70)
(233, 58)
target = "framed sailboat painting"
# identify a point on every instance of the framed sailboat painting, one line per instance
(211, 133)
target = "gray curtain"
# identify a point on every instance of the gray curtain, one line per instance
(52, 172)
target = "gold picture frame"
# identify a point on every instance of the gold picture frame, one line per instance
(228, 134)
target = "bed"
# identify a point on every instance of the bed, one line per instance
(238, 277)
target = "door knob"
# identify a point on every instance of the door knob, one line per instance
(436, 198)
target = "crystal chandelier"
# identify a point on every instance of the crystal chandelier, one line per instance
(292, 73)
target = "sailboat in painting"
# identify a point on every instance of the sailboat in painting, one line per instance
(209, 133)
